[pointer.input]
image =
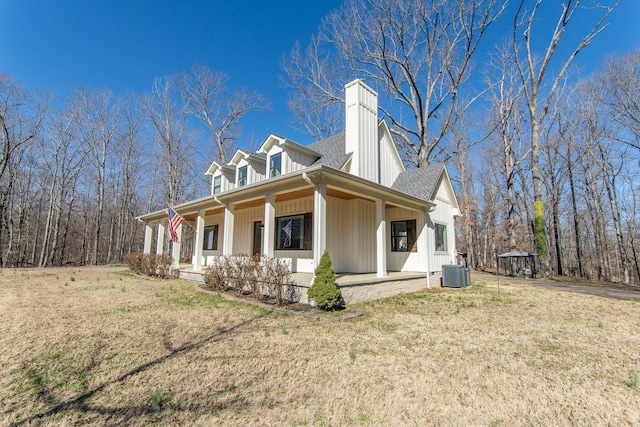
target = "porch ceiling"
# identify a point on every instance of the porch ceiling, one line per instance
(287, 187)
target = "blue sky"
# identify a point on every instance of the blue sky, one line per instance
(123, 45)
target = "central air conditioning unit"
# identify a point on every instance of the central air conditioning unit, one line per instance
(455, 276)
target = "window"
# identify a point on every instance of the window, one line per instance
(403, 236)
(210, 242)
(242, 176)
(217, 184)
(441, 238)
(275, 164)
(294, 232)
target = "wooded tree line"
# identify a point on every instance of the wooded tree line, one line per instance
(543, 159)
(75, 172)
(589, 173)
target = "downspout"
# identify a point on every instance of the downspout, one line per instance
(426, 224)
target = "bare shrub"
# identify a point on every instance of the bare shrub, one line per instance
(214, 277)
(134, 261)
(262, 278)
(163, 266)
(275, 279)
(150, 264)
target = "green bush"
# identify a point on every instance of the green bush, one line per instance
(324, 291)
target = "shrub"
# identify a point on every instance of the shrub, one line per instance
(134, 261)
(150, 264)
(163, 266)
(263, 278)
(324, 290)
(214, 275)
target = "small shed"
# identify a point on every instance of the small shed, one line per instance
(517, 263)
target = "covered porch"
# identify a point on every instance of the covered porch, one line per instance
(355, 288)
(297, 217)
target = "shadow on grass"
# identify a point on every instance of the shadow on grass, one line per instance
(79, 403)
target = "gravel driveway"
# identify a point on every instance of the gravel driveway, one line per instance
(602, 290)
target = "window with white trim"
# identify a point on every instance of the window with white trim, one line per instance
(217, 184)
(210, 241)
(403, 236)
(294, 232)
(242, 176)
(275, 165)
(441, 237)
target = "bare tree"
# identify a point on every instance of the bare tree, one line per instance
(174, 142)
(208, 98)
(621, 94)
(21, 118)
(419, 53)
(64, 156)
(534, 73)
(506, 119)
(97, 114)
(608, 160)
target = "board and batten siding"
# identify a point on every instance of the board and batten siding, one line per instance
(255, 171)
(226, 183)
(243, 229)
(351, 237)
(442, 214)
(390, 163)
(215, 219)
(295, 160)
(405, 261)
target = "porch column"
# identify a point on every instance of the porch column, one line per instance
(160, 242)
(381, 239)
(422, 230)
(148, 236)
(175, 249)
(197, 262)
(269, 225)
(227, 242)
(423, 242)
(319, 222)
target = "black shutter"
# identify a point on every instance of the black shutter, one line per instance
(215, 237)
(308, 232)
(412, 243)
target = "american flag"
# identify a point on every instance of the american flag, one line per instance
(287, 231)
(174, 222)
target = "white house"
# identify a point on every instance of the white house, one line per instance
(349, 194)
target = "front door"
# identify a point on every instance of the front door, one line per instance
(257, 238)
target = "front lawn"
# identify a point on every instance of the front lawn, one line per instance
(103, 346)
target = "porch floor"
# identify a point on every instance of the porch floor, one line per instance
(304, 279)
(353, 279)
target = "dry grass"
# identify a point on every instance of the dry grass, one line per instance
(100, 346)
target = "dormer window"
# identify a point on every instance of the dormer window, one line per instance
(217, 184)
(275, 165)
(242, 176)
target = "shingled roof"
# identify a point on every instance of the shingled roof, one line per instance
(420, 183)
(332, 151)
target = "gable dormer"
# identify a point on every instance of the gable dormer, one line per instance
(284, 156)
(223, 177)
(249, 168)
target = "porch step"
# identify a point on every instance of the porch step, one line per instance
(193, 276)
